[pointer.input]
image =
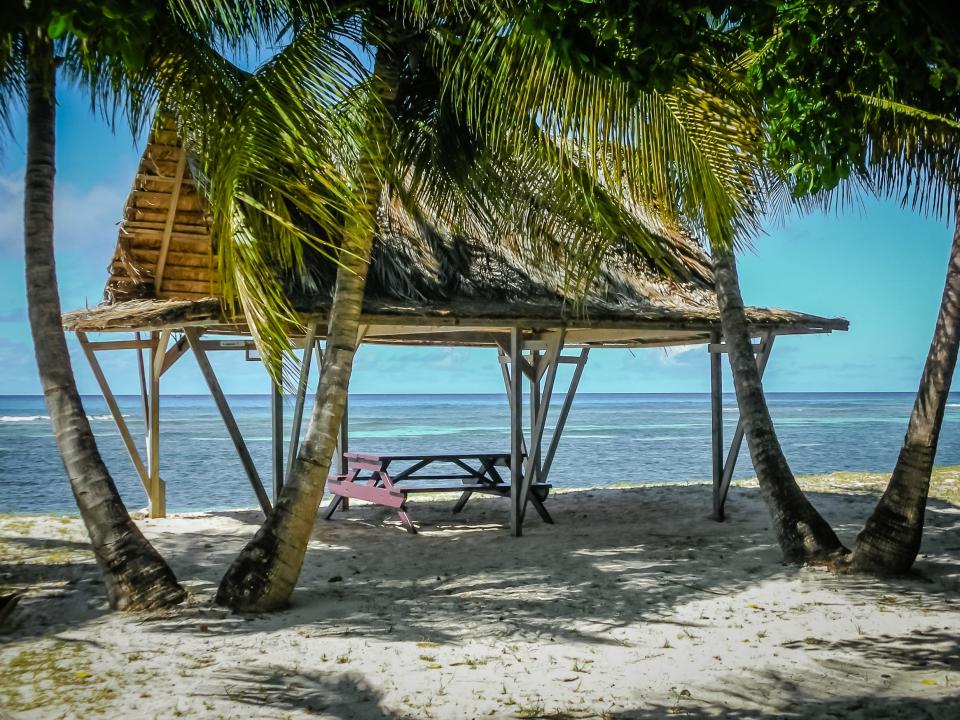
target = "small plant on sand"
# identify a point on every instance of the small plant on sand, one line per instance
(534, 710)
(679, 696)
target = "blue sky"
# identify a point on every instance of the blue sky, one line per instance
(882, 268)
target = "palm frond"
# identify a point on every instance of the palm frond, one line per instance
(692, 155)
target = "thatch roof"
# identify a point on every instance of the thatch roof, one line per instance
(422, 281)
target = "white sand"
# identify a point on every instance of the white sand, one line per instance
(634, 605)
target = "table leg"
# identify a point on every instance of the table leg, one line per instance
(486, 467)
(541, 510)
(334, 504)
(464, 496)
(406, 522)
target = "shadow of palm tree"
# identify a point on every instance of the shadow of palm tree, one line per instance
(626, 568)
(55, 574)
(345, 695)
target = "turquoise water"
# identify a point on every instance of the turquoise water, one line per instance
(608, 439)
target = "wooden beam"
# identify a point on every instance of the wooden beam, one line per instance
(217, 345)
(160, 352)
(297, 423)
(719, 347)
(516, 430)
(176, 352)
(734, 452)
(533, 469)
(171, 216)
(119, 344)
(564, 412)
(276, 445)
(716, 424)
(507, 372)
(143, 389)
(206, 369)
(157, 490)
(343, 439)
(111, 401)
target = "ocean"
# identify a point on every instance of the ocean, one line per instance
(609, 439)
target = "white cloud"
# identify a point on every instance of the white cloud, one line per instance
(672, 355)
(85, 218)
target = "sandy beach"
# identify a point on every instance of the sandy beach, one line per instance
(634, 605)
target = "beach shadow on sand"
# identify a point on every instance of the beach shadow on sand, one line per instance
(60, 580)
(622, 571)
(613, 559)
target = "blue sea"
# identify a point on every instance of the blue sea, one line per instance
(609, 439)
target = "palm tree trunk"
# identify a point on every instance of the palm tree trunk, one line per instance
(802, 533)
(263, 576)
(890, 540)
(135, 576)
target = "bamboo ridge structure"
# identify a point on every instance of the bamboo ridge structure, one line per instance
(426, 286)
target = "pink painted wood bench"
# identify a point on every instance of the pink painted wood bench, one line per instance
(368, 478)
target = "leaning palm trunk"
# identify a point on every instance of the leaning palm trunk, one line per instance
(265, 573)
(890, 540)
(135, 576)
(802, 533)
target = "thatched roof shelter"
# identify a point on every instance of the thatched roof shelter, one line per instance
(423, 281)
(426, 286)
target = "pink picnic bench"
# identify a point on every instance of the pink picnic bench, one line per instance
(368, 478)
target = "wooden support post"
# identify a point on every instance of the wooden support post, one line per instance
(143, 386)
(276, 445)
(532, 472)
(564, 412)
(716, 425)
(297, 424)
(343, 439)
(157, 491)
(193, 337)
(111, 401)
(176, 352)
(507, 371)
(534, 459)
(763, 355)
(516, 430)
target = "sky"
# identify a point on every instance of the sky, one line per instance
(880, 267)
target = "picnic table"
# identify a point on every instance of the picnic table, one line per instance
(368, 478)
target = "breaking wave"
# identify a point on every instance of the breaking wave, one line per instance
(44, 418)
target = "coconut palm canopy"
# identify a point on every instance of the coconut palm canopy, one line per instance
(426, 284)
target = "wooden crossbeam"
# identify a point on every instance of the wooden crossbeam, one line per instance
(716, 422)
(516, 429)
(508, 384)
(157, 489)
(719, 347)
(539, 418)
(581, 362)
(297, 424)
(721, 489)
(276, 436)
(143, 389)
(177, 351)
(171, 217)
(111, 401)
(97, 345)
(206, 369)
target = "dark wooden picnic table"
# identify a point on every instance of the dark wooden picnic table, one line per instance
(368, 478)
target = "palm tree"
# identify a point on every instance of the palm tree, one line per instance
(135, 576)
(890, 540)
(914, 156)
(116, 50)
